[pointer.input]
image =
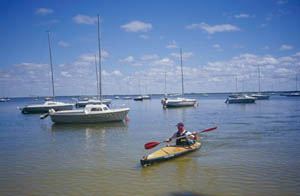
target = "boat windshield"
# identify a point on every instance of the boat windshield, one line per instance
(96, 109)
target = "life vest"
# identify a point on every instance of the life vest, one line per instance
(181, 141)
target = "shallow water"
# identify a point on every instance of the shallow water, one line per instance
(254, 151)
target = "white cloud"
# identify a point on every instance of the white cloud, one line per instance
(83, 19)
(287, 59)
(172, 44)
(136, 26)
(144, 36)
(185, 55)
(282, 71)
(128, 59)
(213, 29)
(286, 47)
(281, 2)
(216, 46)
(163, 62)
(105, 73)
(31, 65)
(44, 11)
(242, 16)
(149, 57)
(266, 48)
(137, 64)
(89, 58)
(297, 54)
(116, 73)
(63, 44)
(66, 74)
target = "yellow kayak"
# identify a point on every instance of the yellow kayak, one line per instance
(168, 152)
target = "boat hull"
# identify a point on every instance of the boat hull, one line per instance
(138, 99)
(237, 100)
(44, 109)
(179, 103)
(167, 153)
(82, 117)
(261, 97)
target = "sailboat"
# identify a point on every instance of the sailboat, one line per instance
(239, 98)
(139, 97)
(179, 101)
(92, 113)
(86, 101)
(259, 95)
(296, 93)
(45, 107)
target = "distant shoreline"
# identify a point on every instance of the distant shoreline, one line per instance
(161, 94)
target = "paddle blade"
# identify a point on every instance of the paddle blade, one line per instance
(150, 145)
(207, 130)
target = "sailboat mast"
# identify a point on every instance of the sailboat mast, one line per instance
(165, 80)
(99, 47)
(97, 76)
(236, 83)
(296, 82)
(258, 78)
(182, 86)
(53, 95)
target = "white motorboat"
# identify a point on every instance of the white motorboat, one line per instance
(117, 97)
(179, 101)
(4, 99)
(138, 98)
(240, 99)
(260, 96)
(90, 114)
(127, 97)
(146, 96)
(83, 103)
(293, 94)
(42, 108)
(45, 107)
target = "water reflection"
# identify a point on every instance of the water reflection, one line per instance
(90, 127)
(181, 113)
(91, 131)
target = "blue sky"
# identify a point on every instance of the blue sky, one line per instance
(141, 41)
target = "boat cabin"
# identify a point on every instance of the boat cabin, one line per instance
(91, 108)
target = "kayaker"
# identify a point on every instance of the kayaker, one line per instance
(188, 140)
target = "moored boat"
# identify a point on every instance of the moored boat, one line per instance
(45, 107)
(293, 95)
(90, 114)
(138, 98)
(240, 99)
(178, 102)
(168, 152)
(260, 96)
(83, 103)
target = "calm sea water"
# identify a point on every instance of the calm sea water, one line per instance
(255, 151)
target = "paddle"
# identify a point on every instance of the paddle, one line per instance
(43, 116)
(150, 145)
